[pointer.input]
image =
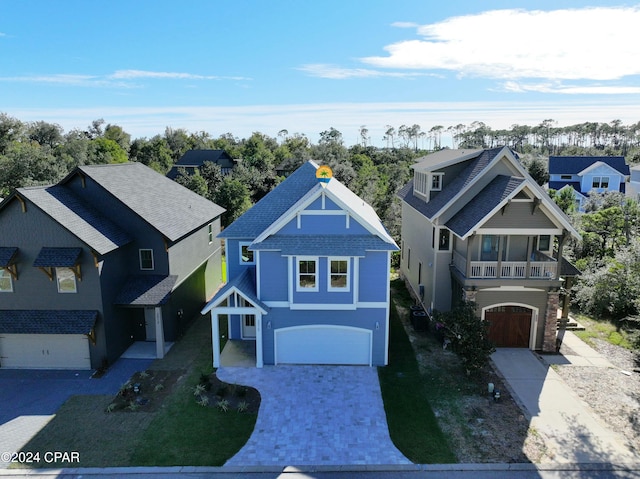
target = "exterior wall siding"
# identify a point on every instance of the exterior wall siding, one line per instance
(186, 255)
(373, 285)
(274, 277)
(518, 215)
(417, 238)
(322, 296)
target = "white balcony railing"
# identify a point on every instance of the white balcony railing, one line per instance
(508, 269)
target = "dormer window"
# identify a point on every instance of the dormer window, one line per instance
(424, 183)
(436, 182)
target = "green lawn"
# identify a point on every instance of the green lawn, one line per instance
(602, 329)
(413, 426)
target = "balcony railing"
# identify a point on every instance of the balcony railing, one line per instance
(544, 268)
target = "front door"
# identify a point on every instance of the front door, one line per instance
(150, 324)
(248, 326)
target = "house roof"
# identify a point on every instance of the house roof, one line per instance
(146, 290)
(568, 269)
(491, 196)
(78, 217)
(46, 321)
(170, 208)
(324, 245)
(273, 205)
(198, 157)
(7, 255)
(244, 284)
(573, 165)
(57, 257)
(444, 157)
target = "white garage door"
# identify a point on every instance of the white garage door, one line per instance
(44, 351)
(323, 344)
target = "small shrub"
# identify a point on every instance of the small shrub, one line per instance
(198, 390)
(203, 401)
(243, 406)
(144, 374)
(133, 406)
(158, 387)
(223, 405)
(112, 407)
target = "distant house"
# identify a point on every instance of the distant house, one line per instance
(308, 276)
(633, 189)
(195, 159)
(586, 174)
(110, 255)
(477, 227)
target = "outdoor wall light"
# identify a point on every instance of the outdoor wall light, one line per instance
(268, 324)
(377, 325)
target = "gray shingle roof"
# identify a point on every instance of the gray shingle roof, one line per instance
(170, 208)
(245, 283)
(146, 290)
(57, 257)
(571, 165)
(324, 245)
(7, 255)
(429, 209)
(46, 321)
(568, 269)
(78, 217)
(260, 216)
(481, 205)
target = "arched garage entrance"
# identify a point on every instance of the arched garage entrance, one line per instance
(511, 325)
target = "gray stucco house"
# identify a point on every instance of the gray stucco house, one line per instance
(476, 226)
(110, 255)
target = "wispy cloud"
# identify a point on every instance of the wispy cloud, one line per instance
(598, 44)
(335, 72)
(135, 74)
(558, 87)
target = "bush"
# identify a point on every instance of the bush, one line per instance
(469, 335)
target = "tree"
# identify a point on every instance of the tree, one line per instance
(45, 134)
(565, 199)
(234, 197)
(195, 182)
(538, 170)
(10, 130)
(103, 151)
(117, 134)
(469, 335)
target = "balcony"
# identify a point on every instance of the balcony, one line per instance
(541, 267)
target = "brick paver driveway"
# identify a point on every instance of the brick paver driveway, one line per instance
(315, 415)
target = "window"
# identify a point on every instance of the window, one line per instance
(420, 183)
(444, 240)
(566, 177)
(246, 255)
(600, 182)
(66, 279)
(146, 259)
(338, 274)
(544, 243)
(436, 182)
(6, 283)
(210, 231)
(420, 273)
(307, 276)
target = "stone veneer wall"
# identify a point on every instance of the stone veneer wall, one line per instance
(551, 322)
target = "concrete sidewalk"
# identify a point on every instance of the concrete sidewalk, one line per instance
(572, 431)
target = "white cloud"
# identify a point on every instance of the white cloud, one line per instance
(335, 72)
(405, 25)
(590, 43)
(133, 74)
(558, 87)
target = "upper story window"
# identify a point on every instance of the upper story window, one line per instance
(307, 273)
(420, 183)
(246, 255)
(600, 182)
(444, 240)
(6, 282)
(566, 177)
(210, 232)
(146, 259)
(66, 279)
(436, 182)
(338, 274)
(544, 243)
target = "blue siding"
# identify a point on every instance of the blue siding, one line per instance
(362, 318)
(322, 296)
(274, 278)
(322, 224)
(373, 277)
(234, 268)
(328, 205)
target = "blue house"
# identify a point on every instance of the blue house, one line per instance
(308, 276)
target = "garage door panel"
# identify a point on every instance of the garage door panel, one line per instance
(509, 326)
(323, 345)
(44, 351)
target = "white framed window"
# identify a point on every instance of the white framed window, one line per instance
(339, 274)
(246, 255)
(210, 232)
(600, 182)
(544, 242)
(566, 177)
(66, 280)
(420, 184)
(436, 182)
(444, 239)
(307, 274)
(146, 259)
(6, 282)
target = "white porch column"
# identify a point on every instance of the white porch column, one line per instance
(215, 339)
(159, 333)
(259, 361)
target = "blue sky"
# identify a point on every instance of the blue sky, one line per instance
(305, 66)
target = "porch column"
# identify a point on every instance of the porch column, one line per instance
(159, 333)
(529, 252)
(259, 361)
(551, 322)
(467, 273)
(500, 246)
(215, 339)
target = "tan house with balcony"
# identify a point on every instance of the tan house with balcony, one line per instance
(476, 226)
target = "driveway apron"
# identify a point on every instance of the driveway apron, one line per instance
(573, 431)
(315, 415)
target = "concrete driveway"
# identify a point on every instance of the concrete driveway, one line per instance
(30, 398)
(572, 430)
(315, 415)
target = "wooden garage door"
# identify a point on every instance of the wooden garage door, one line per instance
(509, 326)
(44, 351)
(323, 344)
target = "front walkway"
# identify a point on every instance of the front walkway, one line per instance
(315, 415)
(572, 430)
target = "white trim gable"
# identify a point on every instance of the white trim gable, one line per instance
(600, 168)
(237, 310)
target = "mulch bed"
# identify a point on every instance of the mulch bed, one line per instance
(234, 397)
(145, 391)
